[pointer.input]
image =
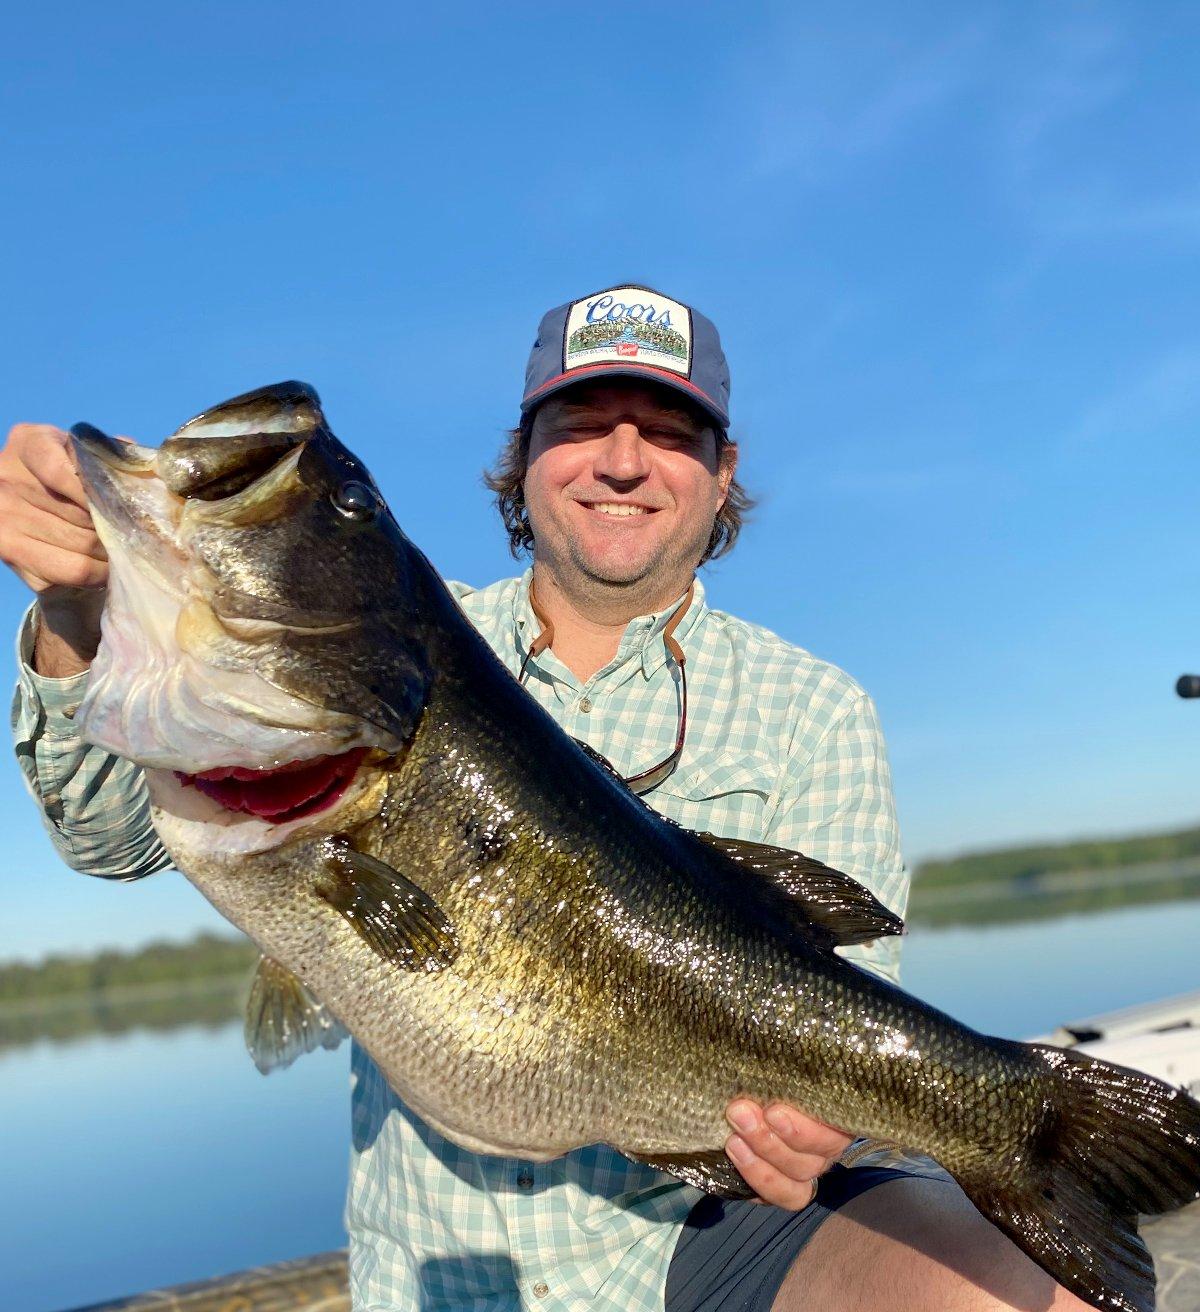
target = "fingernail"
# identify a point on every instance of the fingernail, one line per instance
(779, 1120)
(739, 1150)
(742, 1116)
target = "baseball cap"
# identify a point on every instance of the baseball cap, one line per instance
(629, 331)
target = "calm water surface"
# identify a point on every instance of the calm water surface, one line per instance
(148, 1160)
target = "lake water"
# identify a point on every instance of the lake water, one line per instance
(145, 1160)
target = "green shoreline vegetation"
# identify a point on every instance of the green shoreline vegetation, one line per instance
(1044, 880)
(1088, 854)
(158, 987)
(205, 981)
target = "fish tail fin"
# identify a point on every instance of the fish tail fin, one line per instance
(1115, 1143)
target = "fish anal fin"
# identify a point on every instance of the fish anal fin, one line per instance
(284, 1020)
(834, 908)
(711, 1171)
(396, 917)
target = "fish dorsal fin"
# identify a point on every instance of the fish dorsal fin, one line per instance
(398, 919)
(711, 1171)
(833, 908)
(284, 1020)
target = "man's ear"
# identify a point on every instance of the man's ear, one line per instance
(726, 469)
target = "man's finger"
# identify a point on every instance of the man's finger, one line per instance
(25, 520)
(784, 1149)
(46, 457)
(58, 567)
(785, 1127)
(794, 1162)
(805, 1134)
(767, 1181)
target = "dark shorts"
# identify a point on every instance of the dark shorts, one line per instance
(732, 1256)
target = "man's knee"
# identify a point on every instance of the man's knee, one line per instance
(914, 1245)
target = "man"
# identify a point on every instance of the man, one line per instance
(621, 480)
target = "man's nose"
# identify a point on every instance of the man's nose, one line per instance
(623, 455)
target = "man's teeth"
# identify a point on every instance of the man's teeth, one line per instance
(618, 508)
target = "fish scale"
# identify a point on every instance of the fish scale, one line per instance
(534, 959)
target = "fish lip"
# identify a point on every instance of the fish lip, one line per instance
(114, 453)
(123, 488)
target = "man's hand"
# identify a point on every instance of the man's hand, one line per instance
(48, 539)
(780, 1151)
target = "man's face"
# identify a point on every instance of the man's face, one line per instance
(623, 482)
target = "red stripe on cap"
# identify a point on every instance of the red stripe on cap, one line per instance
(677, 379)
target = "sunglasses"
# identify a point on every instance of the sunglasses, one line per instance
(646, 779)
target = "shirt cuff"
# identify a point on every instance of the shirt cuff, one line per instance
(60, 697)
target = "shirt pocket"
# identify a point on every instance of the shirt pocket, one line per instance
(725, 793)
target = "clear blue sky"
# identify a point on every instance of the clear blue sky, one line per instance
(952, 250)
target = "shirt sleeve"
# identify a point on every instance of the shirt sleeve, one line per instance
(838, 806)
(94, 805)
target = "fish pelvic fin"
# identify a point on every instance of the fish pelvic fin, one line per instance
(1115, 1144)
(833, 909)
(396, 917)
(711, 1171)
(284, 1020)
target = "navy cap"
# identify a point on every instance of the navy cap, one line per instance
(632, 332)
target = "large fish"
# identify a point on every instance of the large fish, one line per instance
(533, 957)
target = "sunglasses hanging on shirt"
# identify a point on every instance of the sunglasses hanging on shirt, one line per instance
(651, 778)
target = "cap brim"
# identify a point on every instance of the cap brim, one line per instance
(617, 369)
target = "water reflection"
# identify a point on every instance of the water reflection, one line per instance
(211, 1004)
(1024, 979)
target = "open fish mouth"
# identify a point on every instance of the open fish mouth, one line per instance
(289, 792)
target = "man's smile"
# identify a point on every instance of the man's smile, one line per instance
(618, 509)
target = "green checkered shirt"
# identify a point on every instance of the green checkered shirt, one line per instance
(781, 748)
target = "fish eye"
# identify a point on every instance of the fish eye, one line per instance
(355, 501)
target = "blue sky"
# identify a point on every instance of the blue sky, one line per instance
(952, 251)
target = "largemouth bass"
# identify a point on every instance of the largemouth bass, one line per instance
(534, 958)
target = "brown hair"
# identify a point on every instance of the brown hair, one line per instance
(506, 479)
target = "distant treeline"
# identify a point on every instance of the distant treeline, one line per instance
(206, 957)
(1026, 863)
(1006, 901)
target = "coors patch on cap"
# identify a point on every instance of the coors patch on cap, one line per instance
(629, 325)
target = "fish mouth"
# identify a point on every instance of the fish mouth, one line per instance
(288, 792)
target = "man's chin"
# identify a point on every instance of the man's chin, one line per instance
(615, 569)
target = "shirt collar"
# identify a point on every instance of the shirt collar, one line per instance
(642, 639)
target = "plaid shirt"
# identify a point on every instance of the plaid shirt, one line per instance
(781, 748)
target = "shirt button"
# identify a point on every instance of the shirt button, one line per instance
(585, 705)
(524, 1180)
(69, 711)
(541, 1289)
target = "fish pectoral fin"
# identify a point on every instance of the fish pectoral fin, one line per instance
(711, 1171)
(284, 1020)
(834, 908)
(398, 919)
